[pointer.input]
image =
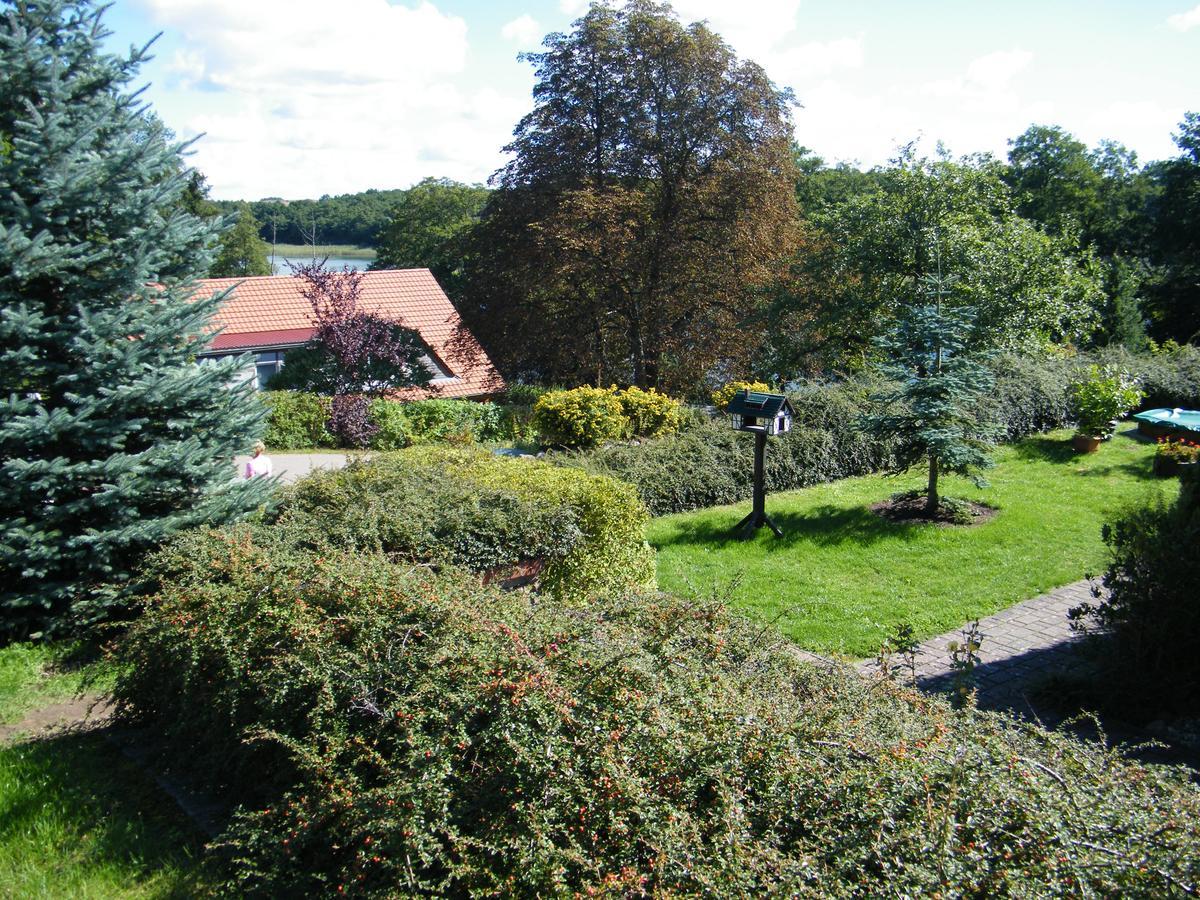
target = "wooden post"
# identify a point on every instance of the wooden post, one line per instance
(758, 514)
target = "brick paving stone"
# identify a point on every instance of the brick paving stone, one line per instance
(1021, 645)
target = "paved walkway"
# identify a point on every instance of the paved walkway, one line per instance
(293, 466)
(1020, 647)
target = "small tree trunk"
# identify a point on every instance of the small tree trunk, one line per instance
(931, 496)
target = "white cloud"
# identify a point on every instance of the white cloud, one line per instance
(523, 30)
(1185, 21)
(295, 102)
(995, 70)
(795, 66)
(573, 7)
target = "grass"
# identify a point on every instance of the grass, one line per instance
(343, 251)
(841, 577)
(35, 675)
(77, 819)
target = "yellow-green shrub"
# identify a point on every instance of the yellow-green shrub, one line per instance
(649, 413)
(722, 395)
(582, 417)
(441, 505)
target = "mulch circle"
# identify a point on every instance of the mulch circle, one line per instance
(912, 509)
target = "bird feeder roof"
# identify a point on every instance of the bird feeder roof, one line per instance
(759, 405)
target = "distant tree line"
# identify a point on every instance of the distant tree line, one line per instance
(658, 225)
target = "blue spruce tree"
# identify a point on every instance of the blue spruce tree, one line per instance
(934, 412)
(111, 436)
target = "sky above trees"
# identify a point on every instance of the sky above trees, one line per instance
(299, 98)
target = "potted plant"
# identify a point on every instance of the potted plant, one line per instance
(1171, 457)
(1099, 400)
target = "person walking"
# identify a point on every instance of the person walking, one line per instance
(259, 465)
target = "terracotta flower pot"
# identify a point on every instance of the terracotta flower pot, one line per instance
(1085, 443)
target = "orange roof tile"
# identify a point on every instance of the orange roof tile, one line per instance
(270, 311)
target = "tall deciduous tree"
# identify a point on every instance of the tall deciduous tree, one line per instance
(865, 255)
(1174, 294)
(650, 195)
(241, 252)
(111, 437)
(427, 229)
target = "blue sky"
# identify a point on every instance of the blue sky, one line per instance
(300, 98)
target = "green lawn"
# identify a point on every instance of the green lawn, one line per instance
(841, 577)
(78, 819)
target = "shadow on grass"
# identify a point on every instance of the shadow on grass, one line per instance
(92, 811)
(823, 526)
(1060, 452)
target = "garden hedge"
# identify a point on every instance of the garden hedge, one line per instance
(468, 508)
(708, 464)
(385, 731)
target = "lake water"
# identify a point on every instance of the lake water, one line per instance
(334, 263)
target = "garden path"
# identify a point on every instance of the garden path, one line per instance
(292, 466)
(1021, 647)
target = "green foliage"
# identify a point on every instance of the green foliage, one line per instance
(484, 513)
(581, 417)
(296, 421)
(1148, 612)
(864, 255)
(393, 430)
(1102, 396)
(426, 229)
(933, 410)
(649, 413)
(1030, 394)
(241, 252)
(111, 437)
(648, 199)
(722, 395)
(390, 732)
(460, 421)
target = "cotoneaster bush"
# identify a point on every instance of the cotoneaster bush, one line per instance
(485, 513)
(385, 731)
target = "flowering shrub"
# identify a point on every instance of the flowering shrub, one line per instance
(1183, 451)
(468, 508)
(648, 413)
(722, 395)
(1101, 397)
(389, 732)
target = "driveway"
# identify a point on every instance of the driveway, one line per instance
(293, 466)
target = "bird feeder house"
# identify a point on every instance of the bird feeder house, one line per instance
(763, 415)
(769, 414)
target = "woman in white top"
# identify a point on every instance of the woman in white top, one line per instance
(260, 464)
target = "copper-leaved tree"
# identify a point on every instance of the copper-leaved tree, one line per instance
(650, 198)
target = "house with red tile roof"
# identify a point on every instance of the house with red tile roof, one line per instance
(267, 315)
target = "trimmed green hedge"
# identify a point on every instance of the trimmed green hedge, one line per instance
(469, 508)
(708, 464)
(389, 732)
(296, 421)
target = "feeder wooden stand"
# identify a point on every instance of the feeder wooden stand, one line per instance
(762, 415)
